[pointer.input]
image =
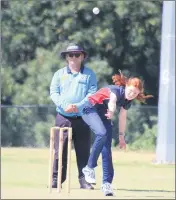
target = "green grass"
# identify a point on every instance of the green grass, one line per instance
(24, 174)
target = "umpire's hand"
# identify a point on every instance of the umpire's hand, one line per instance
(71, 108)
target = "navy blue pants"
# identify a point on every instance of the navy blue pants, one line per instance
(102, 127)
(81, 137)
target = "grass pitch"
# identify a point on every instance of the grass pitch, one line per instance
(24, 175)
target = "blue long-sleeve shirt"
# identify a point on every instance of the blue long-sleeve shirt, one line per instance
(68, 88)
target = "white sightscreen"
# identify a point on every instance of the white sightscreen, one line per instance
(165, 150)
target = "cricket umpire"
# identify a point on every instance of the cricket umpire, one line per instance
(72, 84)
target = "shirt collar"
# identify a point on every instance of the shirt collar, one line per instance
(68, 70)
(81, 70)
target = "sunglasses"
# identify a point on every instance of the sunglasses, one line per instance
(77, 55)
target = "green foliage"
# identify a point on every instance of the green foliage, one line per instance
(7, 85)
(141, 123)
(147, 141)
(30, 126)
(17, 127)
(41, 129)
(124, 35)
(27, 126)
(136, 119)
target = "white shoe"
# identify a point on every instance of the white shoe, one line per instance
(89, 175)
(107, 189)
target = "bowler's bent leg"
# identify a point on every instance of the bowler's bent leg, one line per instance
(96, 125)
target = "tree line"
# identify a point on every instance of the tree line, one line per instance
(124, 35)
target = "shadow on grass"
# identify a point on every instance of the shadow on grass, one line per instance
(149, 196)
(137, 190)
(132, 190)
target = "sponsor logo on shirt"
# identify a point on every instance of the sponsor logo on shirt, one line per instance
(83, 78)
(64, 77)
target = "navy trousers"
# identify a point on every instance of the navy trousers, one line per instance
(102, 127)
(81, 137)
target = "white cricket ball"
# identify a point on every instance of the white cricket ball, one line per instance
(96, 10)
